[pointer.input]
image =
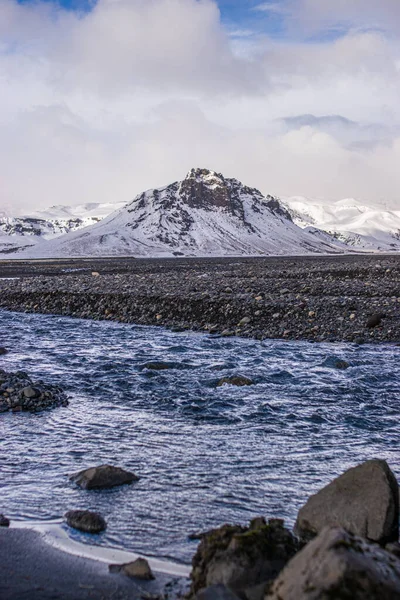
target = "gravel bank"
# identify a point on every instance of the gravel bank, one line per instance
(312, 298)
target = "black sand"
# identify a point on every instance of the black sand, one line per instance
(30, 569)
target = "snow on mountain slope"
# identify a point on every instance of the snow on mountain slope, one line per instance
(17, 233)
(203, 215)
(357, 225)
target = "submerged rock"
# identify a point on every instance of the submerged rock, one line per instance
(157, 366)
(104, 476)
(364, 501)
(138, 569)
(240, 557)
(238, 380)
(3, 351)
(84, 520)
(338, 565)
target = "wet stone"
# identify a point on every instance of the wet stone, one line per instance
(102, 477)
(85, 520)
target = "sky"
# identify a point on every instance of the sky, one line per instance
(102, 100)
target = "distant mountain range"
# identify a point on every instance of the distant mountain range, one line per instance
(356, 225)
(206, 214)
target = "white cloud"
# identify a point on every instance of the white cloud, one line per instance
(132, 95)
(271, 7)
(313, 16)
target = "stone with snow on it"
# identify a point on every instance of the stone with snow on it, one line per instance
(338, 565)
(364, 500)
(104, 476)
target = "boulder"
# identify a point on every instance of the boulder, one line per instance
(238, 380)
(374, 320)
(138, 569)
(341, 566)
(364, 501)
(216, 592)
(240, 557)
(84, 520)
(3, 351)
(104, 476)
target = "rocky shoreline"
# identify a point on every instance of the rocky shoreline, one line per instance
(345, 545)
(351, 298)
(18, 392)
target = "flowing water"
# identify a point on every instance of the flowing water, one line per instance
(206, 455)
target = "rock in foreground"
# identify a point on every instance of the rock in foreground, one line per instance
(104, 476)
(84, 520)
(364, 500)
(240, 557)
(18, 392)
(340, 566)
(138, 569)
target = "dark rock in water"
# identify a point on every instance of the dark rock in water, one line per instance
(4, 522)
(84, 520)
(341, 364)
(340, 566)
(157, 366)
(240, 557)
(238, 380)
(19, 393)
(374, 320)
(138, 569)
(104, 476)
(3, 351)
(216, 592)
(364, 501)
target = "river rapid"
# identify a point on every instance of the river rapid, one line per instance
(206, 455)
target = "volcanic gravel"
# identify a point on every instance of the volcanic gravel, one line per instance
(332, 298)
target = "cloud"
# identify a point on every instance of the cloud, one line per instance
(271, 7)
(101, 105)
(314, 16)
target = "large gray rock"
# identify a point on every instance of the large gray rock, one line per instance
(240, 558)
(104, 476)
(364, 500)
(340, 566)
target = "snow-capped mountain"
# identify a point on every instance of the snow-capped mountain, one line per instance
(18, 233)
(358, 226)
(203, 215)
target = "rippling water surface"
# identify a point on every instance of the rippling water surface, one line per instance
(206, 455)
